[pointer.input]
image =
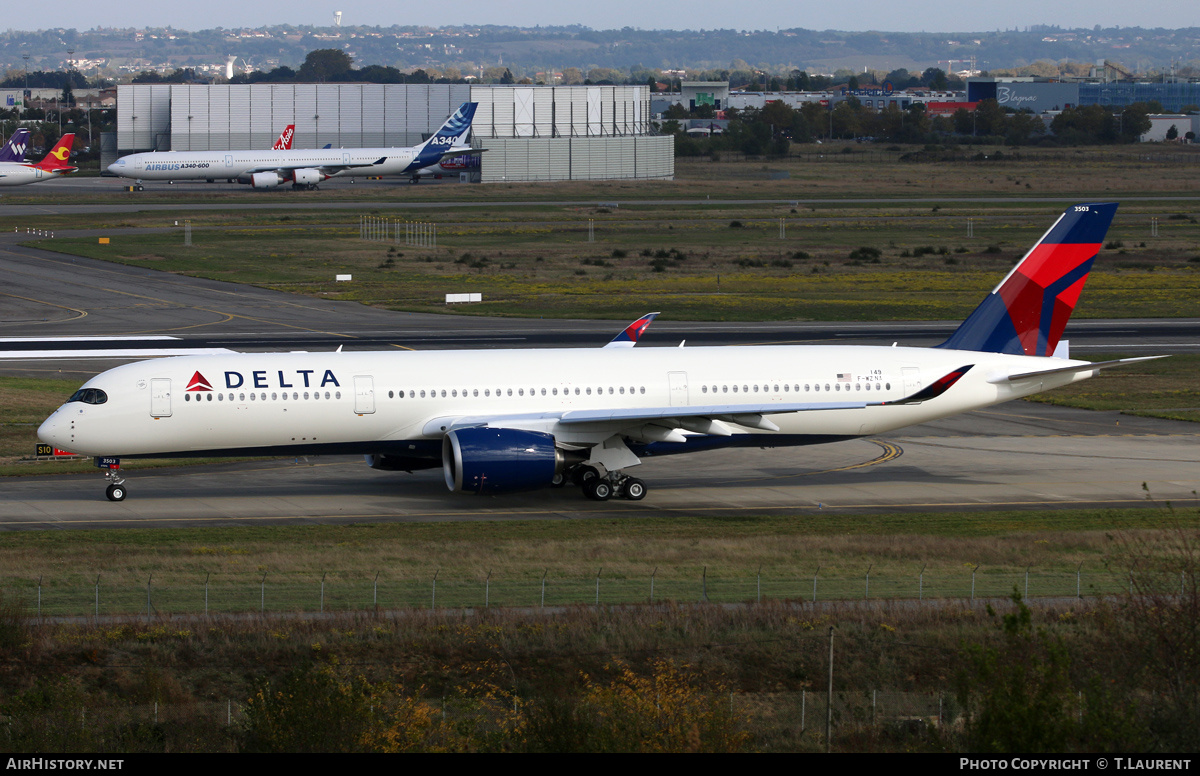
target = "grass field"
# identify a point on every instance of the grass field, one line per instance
(691, 262)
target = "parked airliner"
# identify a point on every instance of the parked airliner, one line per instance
(508, 420)
(14, 149)
(302, 168)
(56, 163)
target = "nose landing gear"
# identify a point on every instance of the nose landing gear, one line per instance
(116, 485)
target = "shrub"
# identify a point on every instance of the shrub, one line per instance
(865, 252)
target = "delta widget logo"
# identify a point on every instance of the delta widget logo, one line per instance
(199, 383)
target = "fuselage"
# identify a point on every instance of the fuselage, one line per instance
(20, 174)
(201, 165)
(391, 402)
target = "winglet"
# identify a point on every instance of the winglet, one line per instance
(630, 335)
(935, 389)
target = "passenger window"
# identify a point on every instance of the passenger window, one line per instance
(251, 397)
(274, 397)
(210, 397)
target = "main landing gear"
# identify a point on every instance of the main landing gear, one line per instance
(600, 487)
(116, 486)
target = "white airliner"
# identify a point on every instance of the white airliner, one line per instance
(506, 420)
(303, 168)
(55, 164)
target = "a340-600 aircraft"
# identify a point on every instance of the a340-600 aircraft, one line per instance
(507, 420)
(303, 168)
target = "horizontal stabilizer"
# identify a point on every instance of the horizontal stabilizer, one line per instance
(1092, 367)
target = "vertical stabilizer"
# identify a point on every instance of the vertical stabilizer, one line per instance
(14, 149)
(59, 158)
(1027, 312)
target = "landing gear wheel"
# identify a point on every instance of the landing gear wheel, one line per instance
(115, 492)
(559, 480)
(633, 489)
(584, 473)
(598, 489)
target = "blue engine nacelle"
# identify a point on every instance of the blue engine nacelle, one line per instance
(499, 460)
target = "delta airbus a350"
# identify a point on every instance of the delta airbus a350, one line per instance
(509, 420)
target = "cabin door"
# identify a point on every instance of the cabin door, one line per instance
(679, 388)
(160, 397)
(364, 394)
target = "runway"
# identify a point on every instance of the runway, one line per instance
(1017, 455)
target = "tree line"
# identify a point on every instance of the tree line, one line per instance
(772, 129)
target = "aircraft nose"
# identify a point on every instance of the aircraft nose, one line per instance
(52, 431)
(114, 169)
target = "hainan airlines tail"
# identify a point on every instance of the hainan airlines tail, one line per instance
(284, 143)
(1025, 315)
(58, 160)
(14, 149)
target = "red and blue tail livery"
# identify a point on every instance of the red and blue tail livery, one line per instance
(630, 335)
(1027, 312)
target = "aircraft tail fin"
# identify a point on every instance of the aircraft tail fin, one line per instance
(14, 149)
(284, 143)
(59, 158)
(1027, 312)
(453, 132)
(630, 335)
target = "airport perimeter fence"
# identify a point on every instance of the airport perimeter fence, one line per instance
(336, 593)
(797, 717)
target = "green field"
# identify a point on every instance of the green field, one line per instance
(691, 262)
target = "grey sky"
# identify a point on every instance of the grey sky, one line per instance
(706, 14)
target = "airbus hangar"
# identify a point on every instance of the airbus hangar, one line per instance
(531, 133)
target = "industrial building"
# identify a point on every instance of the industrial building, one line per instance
(530, 132)
(1042, 94)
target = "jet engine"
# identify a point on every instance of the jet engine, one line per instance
(307, 177)
(499, 460)
(265, 180)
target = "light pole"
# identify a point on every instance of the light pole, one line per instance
(25, 97)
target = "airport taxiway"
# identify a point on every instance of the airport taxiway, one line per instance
(1017, 455)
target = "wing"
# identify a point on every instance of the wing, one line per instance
(325, 169)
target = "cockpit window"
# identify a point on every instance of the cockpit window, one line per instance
(89, 396)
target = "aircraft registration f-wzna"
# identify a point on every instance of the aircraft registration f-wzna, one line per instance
(509, 420)
(304, 169)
